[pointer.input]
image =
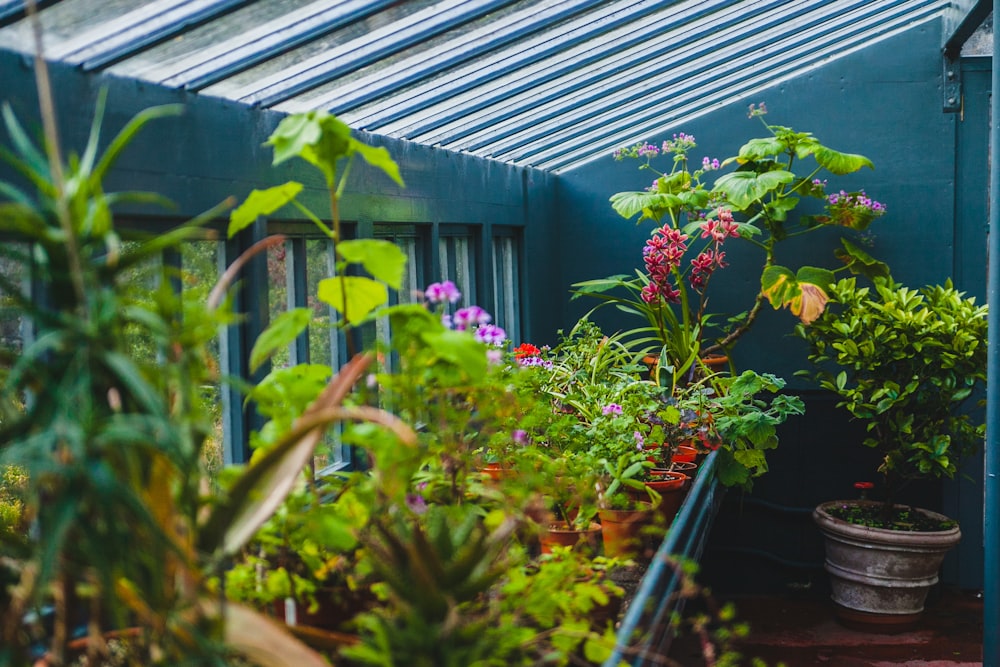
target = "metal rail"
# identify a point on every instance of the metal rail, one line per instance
(645, 632)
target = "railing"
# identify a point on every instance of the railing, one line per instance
(645, 633)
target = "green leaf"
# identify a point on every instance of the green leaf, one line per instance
(378, 157)
(778, 284)
(261, 202)
(383, 259)
(859, 262)
(743, 188)
(285, 328)
(293, 134)
(764, 147)
(460, 349)
(840, 163)
(629, 204)
(363, 295)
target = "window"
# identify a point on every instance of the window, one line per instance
(456, 254)
(506, 281)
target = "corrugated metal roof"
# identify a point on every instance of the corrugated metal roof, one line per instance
(548, 83)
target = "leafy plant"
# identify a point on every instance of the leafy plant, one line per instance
(753, 203)
(746, 414)
(904, 361)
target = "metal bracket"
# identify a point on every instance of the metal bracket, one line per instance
(951, 85)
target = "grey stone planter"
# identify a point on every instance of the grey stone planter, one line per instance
(880, 578)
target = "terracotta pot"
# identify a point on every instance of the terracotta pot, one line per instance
(624, 531)
(496, 472)
(689, 468)
(560, 533)
(672, 487)
(684, 454)
(715, 361)
(880, 577)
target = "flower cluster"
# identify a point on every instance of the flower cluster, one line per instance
(527, 354)
(680, 144)
(853, 209)
(470, 318)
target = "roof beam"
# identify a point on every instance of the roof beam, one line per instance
(962, 19)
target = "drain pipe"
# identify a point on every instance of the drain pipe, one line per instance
(991, 483)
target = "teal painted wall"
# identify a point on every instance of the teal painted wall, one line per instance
(884, 102)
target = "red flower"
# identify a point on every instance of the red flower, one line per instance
(526, 350)
(864, 486)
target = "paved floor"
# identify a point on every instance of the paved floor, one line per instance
(802, 631)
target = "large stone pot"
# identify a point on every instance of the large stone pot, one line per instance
(880, 578)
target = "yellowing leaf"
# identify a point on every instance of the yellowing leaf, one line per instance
(811, 303)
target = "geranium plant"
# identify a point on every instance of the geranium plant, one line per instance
(694, 221)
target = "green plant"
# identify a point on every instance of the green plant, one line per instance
(754, 203)
(904, 362)
(746, 414)
(111, 435)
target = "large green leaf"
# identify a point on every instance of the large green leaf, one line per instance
(363, 295)
(758, 149)
(383, 259)
(285, 328)
(460, 349)
(261, 202)
(840, 163)
(743, 188)
(628, 204)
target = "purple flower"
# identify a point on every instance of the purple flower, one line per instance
(611, 409)
(441, 292)
(466, 318)
(640, 442)
(494, 357)
(491, 334)
(519, 436)
(416, 503)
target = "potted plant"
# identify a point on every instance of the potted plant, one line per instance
(693, 222)
(627, 505)
(904, 362)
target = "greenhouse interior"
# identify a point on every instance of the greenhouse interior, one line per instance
(321, 321)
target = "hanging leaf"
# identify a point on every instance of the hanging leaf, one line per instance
(363, 295)
(859, 262)
(383, 259)
(261, 202)
(285, 328)
(840, 163)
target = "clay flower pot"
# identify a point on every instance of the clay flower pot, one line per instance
(560, 533)
(880, 577)
(624, 530)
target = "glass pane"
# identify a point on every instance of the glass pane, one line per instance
(64, 21)
(411, 243)
(278, 293)
(455, 255)
(505, 286)
(13, 328)
(199, 273)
